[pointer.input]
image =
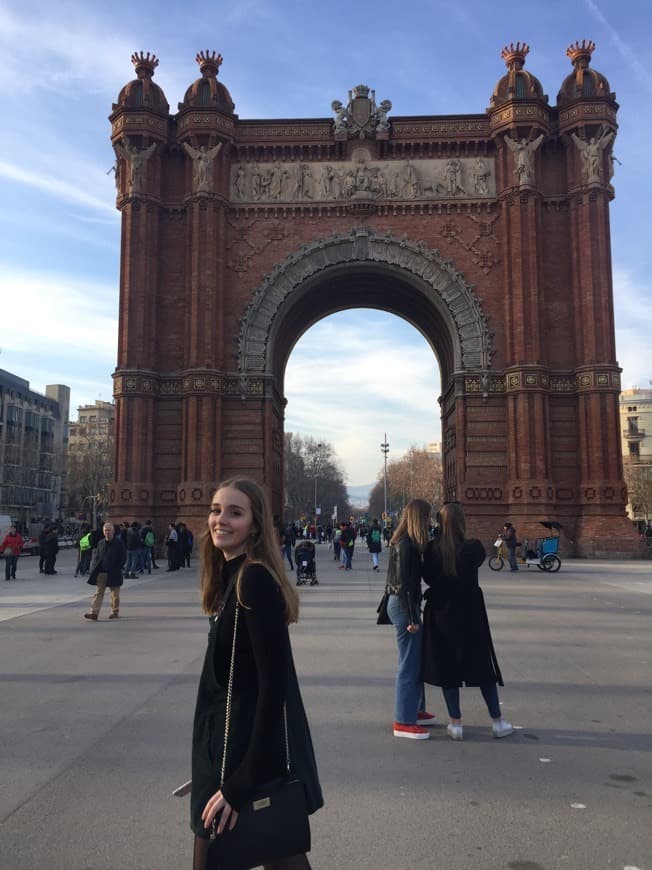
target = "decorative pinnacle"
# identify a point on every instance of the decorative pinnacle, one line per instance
(145, 64)
(209, 63)
(580, 52)
(514, 55)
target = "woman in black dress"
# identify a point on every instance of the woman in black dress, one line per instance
(457, 645)
(241, 543)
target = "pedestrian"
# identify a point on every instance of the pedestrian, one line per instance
(149, 540)
(171, 544)
(250, 601)
(42, 538)
(374, 543)
(51, 550)
(347, 542)
(133, 547)
(84, 549)
(190, 543)
(11, 545)
(509, 540)
(458, 649)
(288, 541)
(404, 571)
(106, 570)
(337, 534)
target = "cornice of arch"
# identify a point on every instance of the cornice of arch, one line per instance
(362, 245)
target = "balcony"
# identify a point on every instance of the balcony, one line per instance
(633, 433)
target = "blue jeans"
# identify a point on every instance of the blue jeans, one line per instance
(511, 558)
(348, 552)
(489, 693)
(132, 561)
(409, 697)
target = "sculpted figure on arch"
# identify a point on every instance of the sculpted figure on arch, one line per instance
(202, 165)
(523, 151)
(591, 154)
(136, 159)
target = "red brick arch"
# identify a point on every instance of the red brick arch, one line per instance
(238, 235)
(364, 269)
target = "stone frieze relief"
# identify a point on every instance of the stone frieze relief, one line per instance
(363, 178)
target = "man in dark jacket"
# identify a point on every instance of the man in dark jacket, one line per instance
(106, 570)
(509, 540)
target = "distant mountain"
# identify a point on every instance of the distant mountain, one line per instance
(359, 495)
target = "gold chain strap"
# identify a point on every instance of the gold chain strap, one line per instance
(227, 722)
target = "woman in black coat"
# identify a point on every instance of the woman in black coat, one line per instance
(458, 649)
(241, 566)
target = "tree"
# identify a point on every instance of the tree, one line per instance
(90, 471)
(312, 468)
(418, 474)
(638, 477)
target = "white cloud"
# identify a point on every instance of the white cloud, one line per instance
(633, 314)
(62, 316)
(57, 187)
(354, 377)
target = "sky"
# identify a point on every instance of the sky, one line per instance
(62, 65)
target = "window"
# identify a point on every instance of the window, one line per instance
(634, 451)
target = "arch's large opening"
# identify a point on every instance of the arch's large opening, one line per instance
(355, 376)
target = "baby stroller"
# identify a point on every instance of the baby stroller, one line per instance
(304, 556)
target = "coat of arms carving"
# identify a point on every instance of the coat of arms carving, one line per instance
(361, 117)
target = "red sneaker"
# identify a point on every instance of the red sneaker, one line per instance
(424, 718)
(412, 732)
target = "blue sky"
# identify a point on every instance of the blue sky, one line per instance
(62, 65)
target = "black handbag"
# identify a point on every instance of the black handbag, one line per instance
(274, 824)
(381, 610)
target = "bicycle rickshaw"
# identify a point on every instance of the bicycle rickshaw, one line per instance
(544, 554)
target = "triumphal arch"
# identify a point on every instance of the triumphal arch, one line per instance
(488, 232)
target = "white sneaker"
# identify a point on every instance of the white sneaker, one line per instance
(502, 728)
(455, 732)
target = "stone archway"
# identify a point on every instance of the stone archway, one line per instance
(464, 346)
(238, 234)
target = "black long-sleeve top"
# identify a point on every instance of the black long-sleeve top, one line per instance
(404, 576)
(255, 751)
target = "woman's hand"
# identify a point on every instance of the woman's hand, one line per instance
(218, 804)
(413, 628)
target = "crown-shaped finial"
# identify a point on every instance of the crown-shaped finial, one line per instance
(360, 91)
(209, 63)
(145, 64)
(514, 55)
(580, 52)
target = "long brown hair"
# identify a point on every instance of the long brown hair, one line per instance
(262, 547)
(414, 524)
(452, 534)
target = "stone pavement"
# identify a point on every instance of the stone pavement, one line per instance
(95, 726)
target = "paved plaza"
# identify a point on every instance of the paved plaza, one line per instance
(96, 722)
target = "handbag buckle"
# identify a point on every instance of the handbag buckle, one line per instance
(262, 804)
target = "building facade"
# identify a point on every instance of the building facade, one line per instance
(488, 232)
(33, 445)
(636, 442)
(94, 422)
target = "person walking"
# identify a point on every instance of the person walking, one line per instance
(133, 548)
(347, 543)
(288, 540)
(172, 545)
(84, 549)
(106, 570)
(374, 543)
(11, 545)
(406, 549)
(42, 538)
(509, 540)
(50, 550)
(250, 601)
(458, 649)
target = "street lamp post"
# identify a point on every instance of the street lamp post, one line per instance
(317, 468)
(384, 449)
